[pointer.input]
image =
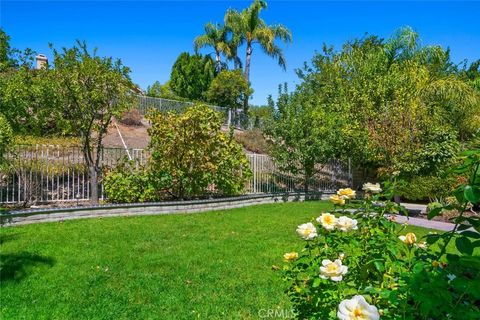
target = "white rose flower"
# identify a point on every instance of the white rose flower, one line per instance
(333, 270)
(327, 220)
(357, 308)
(307, 231)
(372, 187)
(346, 224)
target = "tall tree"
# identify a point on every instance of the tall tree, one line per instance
(191, 75)
(228, 89)
(92, 90)
(303, 137)
(7, 53)
(215, 36)
(397, 106)
(253, 30)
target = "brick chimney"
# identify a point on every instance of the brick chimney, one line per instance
(41, 61)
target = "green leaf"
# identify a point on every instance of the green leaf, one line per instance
(432, 238)
(462, 227)
(471, 234)
(453, 257)
(472, 194)
(476, 244)
(459, 194)
(379, 265)
(475, 222)
(316, 282)
(434, 212)
(464, 245)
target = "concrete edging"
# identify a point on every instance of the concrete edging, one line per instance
(141, 209)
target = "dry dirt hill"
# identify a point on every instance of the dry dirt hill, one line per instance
(136, 136)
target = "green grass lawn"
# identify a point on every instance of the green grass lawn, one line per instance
(216, 265)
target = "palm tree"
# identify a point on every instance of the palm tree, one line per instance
(215, 36)
(234, 41)
(251, 29)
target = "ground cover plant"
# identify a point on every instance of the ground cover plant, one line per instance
(217, 265)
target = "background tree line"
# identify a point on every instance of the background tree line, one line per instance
(193, 76)
(393, 106)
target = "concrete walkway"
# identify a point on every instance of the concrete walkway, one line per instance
(420, 222)
(424, 223)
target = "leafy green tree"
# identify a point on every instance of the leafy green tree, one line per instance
(194, 151)
(92, 90)
(5, 138)
(228, 89)
(302, 139)
(215, 36)
(28, 96)
(191, 76)
(251, 29)
(30, 102)
(261, 116)
(158, 90)
(7, 59)
(392, 105)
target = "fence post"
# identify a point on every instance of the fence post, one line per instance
(254, 173)
(350, 176)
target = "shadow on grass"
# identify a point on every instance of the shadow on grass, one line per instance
(7, 237)
(16, 266)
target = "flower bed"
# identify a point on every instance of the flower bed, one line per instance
(354, 266)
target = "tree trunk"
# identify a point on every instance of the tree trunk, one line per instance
(247, 74)
(93, 184)
(218, 62)
(305, 185)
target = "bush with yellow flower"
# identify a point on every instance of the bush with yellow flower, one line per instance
(358, 263)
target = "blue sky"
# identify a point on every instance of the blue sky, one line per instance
(148, 36)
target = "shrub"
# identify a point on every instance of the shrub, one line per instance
(192, 148)
(427, 187)
(131, 117)
(5, 138)
(127, 184)
(362, 266)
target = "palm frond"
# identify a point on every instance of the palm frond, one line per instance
(202, 41)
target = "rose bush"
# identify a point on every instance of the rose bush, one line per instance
(359, 264)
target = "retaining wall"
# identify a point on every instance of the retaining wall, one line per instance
(138, 209)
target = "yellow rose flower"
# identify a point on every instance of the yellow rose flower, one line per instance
(336, 199)
(346, 193)
(328, 221)
(409, 238)
(290, 256)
